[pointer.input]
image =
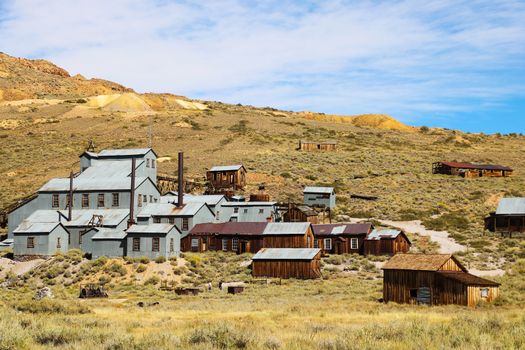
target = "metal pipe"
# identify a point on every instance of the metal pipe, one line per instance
(131, 220)
(180, 192)
(70, 199)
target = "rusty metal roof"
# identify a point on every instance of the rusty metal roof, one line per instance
(312, 189)
(286, 254)
(476, 166)
(306, 210)
(342, 229)
(286, 228)
(230, 228)
(467, 278)
(152, 228)
(419, 262)
(511, 206)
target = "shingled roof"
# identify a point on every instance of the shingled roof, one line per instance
(420, 262)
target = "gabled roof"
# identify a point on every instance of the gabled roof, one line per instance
(311, 189)
(342, 229)
(306, 210)
(103, 233)
(80, 217)
(36, 227)
(168, 209)
(152, 228)
(210, 199)
(476, 166)
(511, 206)
(125, 152)
(227, 168)
(420, 262)
(286, 228)
(383, 233)
(248, 204)
(230, 228)
(286, 254)
(467, 278)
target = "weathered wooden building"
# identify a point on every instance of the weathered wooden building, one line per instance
(301, 213)
(226, 177)
(152, 241)
(288, 235)
(239, 237)
(508, 218)
(386, 242)
(246, 212)
(323, 197)
(471, 170)
(341, 238)
(40, 239)
(102, 241)
(300, 263)
(434, 279)
(317, 145)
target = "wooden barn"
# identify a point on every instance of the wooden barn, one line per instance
(301, 213)
(386, 242)
(300, 263)
(239, 237)
(434, 279)
(227, 177)
(341, 238)
(471, 170)
(508, 218)
(317, 146)
(288, 235)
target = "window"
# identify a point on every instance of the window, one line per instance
(155, 244)
(245, 211)
(171, 220)
(58, 243)
(235, 210)
(235, 244)
(156, 220)
(155, 200)
(354, 243)
(85, 200)
(224, 245)
(172, 245)
(185, 224)
(30, 242)
(153, 163)
(145, 198)
(232, 179)
(100, 200)
(140, 200)
(147, 162)
(136, 244)
(261, 211)
(316, 243)
(150, 198)
(327, 244)
(55, 201)
(194, 244)
(115, 200)
(484, 292)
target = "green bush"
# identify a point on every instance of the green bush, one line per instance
(161, 259)
(141, 268)
(153, 280)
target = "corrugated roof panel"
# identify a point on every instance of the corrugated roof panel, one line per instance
(160, 209)
(286, 228)
(346, 228)
(511, 206)
(124, 152)
(35, 227)
(286, 254)
(151, 228)
(110, 234)
(226, 167)
(377, 234)
(80, 217)
(311, 189)
(248, 204)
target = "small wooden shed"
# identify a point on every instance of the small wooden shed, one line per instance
(226, 177)
(288, 235)
(317, 145)
(301, 213)
(301, 263)
(509, 217)
(434, 279)
(386, 242)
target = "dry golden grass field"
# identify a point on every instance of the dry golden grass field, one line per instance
(46, 121)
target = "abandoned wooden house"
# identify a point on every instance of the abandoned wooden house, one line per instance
(317, 146)
(227, 177)
(434, 279)
(300, 263)
(341, 238)
(508, 218)
(386, 242)
(288, 235)
(301, 213)
(323, 197)
(238, 237)
(471, 170)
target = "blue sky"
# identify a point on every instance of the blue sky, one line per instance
(447, 63)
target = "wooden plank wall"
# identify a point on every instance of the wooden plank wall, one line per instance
(301, 269)
(289, 241)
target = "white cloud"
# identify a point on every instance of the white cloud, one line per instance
(404, 58)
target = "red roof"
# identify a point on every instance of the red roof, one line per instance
(348, 229)
(476, 166)
(229, 228)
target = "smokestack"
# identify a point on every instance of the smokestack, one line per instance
(131, 221)
(180, 192)
(70, 199)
